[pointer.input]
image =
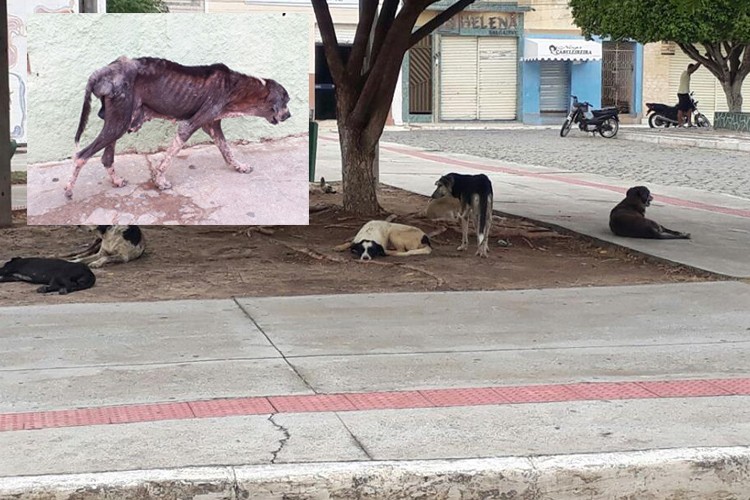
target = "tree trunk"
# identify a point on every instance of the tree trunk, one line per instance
(734, 95)
(5, 201)
(359, 184)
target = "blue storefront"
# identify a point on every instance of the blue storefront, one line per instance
(555, 68)
(602, 73)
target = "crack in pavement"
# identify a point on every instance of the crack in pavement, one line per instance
(282, 441)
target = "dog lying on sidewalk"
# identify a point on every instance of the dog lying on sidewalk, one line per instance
(379, 238)
(55, 275)
(133, 91)
(628, 218)
(112, 245)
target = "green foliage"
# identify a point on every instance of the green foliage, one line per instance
(136, 6)
(684, 21)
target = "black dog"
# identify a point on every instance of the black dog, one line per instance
(475, 195)
(56, 275)
(628, 218)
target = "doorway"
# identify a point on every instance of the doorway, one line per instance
(325, 90)
(618, 66)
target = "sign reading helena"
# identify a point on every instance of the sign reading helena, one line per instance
(536, 49)
(482, 23)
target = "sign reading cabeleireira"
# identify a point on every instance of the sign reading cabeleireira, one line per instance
(559, 50)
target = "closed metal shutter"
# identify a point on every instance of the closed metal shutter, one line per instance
(497, 78)
(344, 33)
(703, 84)
(555, 86)
(478, 78)
(458, 78)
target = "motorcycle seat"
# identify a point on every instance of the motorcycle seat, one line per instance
(605, 111)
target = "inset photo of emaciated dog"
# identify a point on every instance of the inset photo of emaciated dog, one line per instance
(168, 119)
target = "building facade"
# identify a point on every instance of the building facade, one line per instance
(665, 62)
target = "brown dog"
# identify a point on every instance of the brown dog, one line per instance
(133, 91)
(628, 218)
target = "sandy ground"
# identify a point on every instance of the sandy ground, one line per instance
(205, 189)
(219, 262)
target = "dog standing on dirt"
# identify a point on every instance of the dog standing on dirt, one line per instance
(475, 194)
(628, 218)
(133, 91)
(379, 238)
(113, 244)
(55, 275)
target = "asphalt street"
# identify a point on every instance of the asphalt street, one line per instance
(718, 171)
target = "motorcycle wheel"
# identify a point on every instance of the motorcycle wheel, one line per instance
(566, 127)
(608, 129)
(701, 120)
(655, 121)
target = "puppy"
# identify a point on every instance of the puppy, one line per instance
(56, 275)
(379, 238)
(475, 195)
(628, 218)
(113, 244)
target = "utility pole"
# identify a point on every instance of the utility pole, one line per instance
(5, 203)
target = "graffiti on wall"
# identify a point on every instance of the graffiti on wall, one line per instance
(18, 63)
(732, 121)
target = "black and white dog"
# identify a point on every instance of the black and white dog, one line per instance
(113, 244)
(628, 218)
(379, 238)
(475, 194)
(55, 275)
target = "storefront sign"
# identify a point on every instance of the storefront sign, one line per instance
(547, 49)
(482, 23)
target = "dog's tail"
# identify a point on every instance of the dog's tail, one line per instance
(85, 112)
(485, 214)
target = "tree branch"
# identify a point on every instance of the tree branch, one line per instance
(383, 68)
(744, 68)
(330, 44)
(438, 20)
(710, 64)
(385, 21)
(357, 57)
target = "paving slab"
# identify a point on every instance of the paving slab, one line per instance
(477, 321)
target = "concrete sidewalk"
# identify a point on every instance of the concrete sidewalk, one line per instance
(579, 202)
(527, 394)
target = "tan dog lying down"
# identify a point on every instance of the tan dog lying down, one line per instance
(445, 208)
(381, 238)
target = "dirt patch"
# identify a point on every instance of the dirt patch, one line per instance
(192, 262)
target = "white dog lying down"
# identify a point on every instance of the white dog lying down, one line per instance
(379, 238)
(113, 244)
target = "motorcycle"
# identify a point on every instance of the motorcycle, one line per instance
(606, 121)
(662, 115)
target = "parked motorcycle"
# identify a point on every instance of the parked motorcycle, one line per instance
(662, 115)
(606, 121)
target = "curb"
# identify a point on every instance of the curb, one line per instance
(724, 143)
(705, 473)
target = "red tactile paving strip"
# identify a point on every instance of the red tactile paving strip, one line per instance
(434, 398)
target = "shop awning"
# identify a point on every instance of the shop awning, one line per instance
(552, 49)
